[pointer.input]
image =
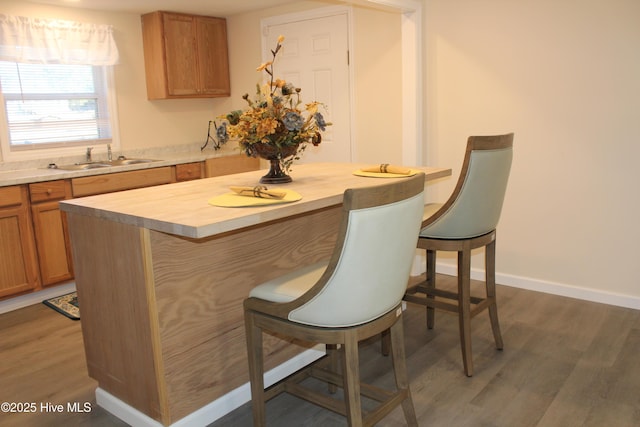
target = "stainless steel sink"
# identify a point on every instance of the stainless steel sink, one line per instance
(81, 166)
(122, 162)
(97, 164)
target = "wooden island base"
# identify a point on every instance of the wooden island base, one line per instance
(162, 316)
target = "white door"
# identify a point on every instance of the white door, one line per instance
(314, 57)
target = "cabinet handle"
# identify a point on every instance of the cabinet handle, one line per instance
(49, 191)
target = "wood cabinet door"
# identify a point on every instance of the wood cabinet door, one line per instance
(18, 266)
(52, 242)
(181, 54)
(50, 229)
(213, 60)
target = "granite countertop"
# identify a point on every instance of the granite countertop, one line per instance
(37, 171)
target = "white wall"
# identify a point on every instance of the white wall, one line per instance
(564, 76)
(378, 86)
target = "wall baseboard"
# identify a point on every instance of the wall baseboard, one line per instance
(560, 289)
(35, 297)
(214, 410)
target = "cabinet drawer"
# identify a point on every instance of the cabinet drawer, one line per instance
(47, 191)
(108, 183)
(188, 171)
(227, 165)
(10, 196)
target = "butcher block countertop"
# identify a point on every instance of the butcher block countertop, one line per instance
(183, 208)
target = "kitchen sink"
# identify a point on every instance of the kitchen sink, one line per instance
(80, 166)
(122, 162)
(100, 164)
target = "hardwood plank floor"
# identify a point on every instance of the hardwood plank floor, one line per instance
(566, 363)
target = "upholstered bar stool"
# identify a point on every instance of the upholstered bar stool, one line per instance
(356, 295)
(467, 221)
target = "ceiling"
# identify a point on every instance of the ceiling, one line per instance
(208, 7)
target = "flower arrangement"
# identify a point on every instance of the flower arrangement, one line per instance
(277, 125)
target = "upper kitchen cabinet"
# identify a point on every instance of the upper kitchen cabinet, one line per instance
(185, 56)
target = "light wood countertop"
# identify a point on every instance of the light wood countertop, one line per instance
(182, 209)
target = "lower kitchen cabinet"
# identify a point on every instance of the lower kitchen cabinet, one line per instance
(50, 228)
(18, 262)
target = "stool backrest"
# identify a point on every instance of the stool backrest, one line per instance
(369, 270)
(474, 207)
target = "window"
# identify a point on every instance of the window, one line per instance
(56, 86)
(54, 105)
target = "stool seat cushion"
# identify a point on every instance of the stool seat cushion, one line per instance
(290, 286)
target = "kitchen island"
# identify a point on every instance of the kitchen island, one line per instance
(161, 275)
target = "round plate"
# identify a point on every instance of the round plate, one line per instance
(360, 172)
(234, 200)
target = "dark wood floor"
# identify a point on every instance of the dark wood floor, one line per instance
(565, 363)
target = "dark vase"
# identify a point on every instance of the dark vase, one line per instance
(274, 154)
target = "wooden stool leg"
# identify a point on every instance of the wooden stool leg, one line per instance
(351, 372)
(464, 308)
(431, 283)
(400, 370)
(385, 343)
(256, 368)
(490, 280)
(332, 352)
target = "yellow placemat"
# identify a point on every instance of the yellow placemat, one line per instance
(360, 172)
(234, 200)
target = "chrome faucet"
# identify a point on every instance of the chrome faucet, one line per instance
(109, 153)
(88, 155)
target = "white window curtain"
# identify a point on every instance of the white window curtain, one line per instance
(52, 41)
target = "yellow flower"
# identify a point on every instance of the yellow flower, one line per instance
(265, 90)
(264, 65)
(280, 38)
(312, 107)
(266, 126)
